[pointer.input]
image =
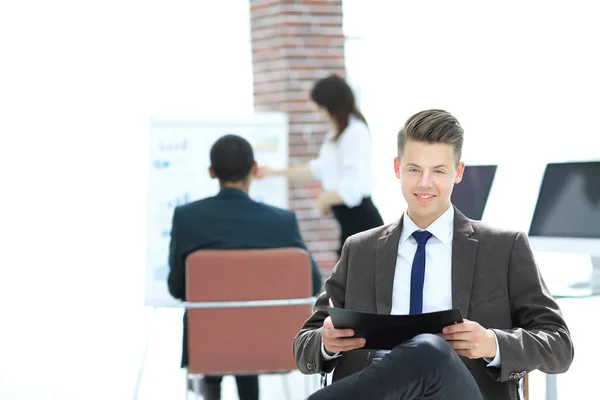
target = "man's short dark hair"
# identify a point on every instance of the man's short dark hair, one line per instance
(231, 158)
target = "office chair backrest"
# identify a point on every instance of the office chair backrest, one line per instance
(237, 339)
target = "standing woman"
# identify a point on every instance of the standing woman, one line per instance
(344, 165)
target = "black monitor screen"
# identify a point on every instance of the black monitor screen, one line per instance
(471, 194)
(569, 201)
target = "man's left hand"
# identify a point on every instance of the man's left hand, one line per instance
(469, 339)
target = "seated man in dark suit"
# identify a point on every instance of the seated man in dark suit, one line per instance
(229, 220)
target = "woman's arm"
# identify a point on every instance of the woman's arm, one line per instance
(296, 171)
(328, 199)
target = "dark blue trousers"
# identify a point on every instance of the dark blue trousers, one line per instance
(423, 368)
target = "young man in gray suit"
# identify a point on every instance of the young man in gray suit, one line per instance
(435, 258)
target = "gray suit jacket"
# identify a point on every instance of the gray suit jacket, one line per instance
(495, 282)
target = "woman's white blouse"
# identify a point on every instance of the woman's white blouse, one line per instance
(346, 166)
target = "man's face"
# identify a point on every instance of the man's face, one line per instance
(427, 173)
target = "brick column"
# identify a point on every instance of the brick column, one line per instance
(294, 43)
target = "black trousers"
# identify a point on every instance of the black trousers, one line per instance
(356, 219)
(247, 386)
(424, 368)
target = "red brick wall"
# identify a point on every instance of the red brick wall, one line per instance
(294, 43)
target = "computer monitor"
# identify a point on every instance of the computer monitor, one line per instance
(566, 220)
(568, 207)
(471, 194)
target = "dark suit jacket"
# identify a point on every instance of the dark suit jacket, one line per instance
(229, 220)
(495, 282)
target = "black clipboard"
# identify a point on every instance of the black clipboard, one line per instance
(384, 331)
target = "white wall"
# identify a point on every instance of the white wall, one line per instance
(79, 82)
(521, 77)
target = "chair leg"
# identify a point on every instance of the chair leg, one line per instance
(286, 386)
(323, 380)
(307, 385)
(526, 387)
(196, 384)
(187, 392)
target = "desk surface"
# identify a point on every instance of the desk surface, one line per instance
(573, 282)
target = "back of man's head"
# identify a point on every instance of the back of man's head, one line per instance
(231, 159)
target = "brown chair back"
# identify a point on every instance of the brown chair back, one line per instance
(238, 339)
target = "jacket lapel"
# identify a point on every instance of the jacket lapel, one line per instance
(385, 266)
(464, 252)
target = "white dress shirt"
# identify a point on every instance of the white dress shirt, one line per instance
(345, 166)
(437, 287)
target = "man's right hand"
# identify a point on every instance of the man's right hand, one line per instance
(336, 340)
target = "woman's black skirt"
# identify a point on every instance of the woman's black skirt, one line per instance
(356, 219)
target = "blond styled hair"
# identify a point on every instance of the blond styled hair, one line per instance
(432, 126)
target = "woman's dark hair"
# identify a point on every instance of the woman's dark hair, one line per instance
(231, 158)
(335, 95)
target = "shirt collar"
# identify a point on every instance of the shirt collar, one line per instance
(230, 192)
(442, 228)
